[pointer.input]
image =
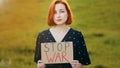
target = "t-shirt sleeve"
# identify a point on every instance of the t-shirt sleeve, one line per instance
(82, 51)
(37, 55)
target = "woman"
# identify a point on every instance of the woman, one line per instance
(60, 16)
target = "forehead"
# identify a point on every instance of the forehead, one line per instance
(59, 6)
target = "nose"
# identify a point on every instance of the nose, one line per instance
(58, 15)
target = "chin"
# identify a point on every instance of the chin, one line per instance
(60, 23)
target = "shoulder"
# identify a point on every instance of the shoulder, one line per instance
(43, 33)
(74, 31)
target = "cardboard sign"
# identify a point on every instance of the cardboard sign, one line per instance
(56, 52)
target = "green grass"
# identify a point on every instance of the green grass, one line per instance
(22, 20)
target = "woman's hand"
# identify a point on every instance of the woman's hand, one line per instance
(76, 64)
(40, 64)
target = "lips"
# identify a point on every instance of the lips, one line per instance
(58, 19)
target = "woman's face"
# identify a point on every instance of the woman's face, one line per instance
(60, 15)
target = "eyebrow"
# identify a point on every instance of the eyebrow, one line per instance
(61, 9)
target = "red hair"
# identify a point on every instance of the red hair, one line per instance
(52, 10)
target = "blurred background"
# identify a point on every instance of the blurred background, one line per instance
(22, 20)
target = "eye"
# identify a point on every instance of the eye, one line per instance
(62, 11)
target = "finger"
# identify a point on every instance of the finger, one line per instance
(39, 61)
(77, 65)
(40, 65)
(76, 61)
(43, 65)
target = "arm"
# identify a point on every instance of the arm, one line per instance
(37, 49)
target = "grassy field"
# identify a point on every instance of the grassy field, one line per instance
(22, 20)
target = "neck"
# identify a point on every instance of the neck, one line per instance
(61, 27)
